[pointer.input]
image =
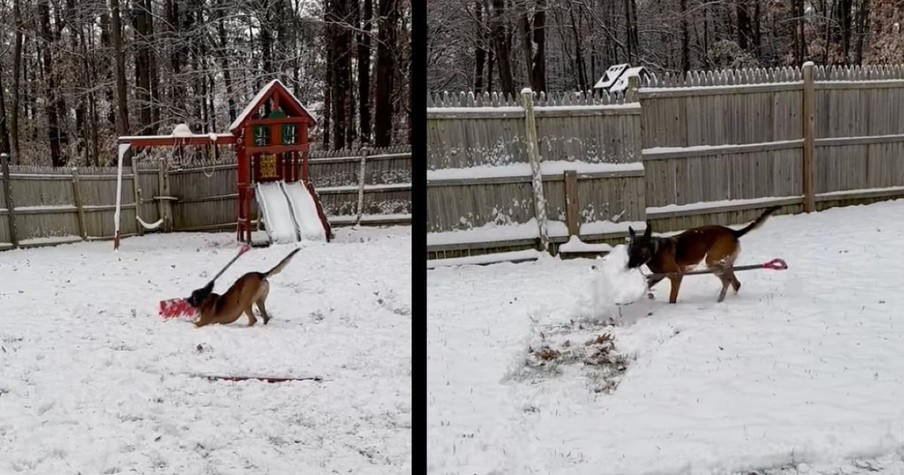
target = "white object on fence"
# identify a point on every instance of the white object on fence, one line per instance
(123, 147)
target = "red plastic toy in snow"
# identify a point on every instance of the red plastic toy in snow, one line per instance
(179, 307)
(174, 308)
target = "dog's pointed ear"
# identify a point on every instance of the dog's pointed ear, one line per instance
(631, 233)
(647, 232)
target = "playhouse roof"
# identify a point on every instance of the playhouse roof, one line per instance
(611, 76)
(292, 105)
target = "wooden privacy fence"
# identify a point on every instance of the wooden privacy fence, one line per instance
(538, 168)
(715, 147)
(45, 205)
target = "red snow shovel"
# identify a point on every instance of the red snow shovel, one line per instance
(173, 308)
(774, 264)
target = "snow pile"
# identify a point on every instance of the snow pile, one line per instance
(614, 285)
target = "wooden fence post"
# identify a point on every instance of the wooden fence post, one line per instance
(633, 86)
(533, 156)
(809, 136)
(7, 195)
(572, 203)
(164, 207)
(361, 181)
(77, 197)
(136, 193)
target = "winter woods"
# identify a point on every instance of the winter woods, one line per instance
(75, 74)
(504, 45)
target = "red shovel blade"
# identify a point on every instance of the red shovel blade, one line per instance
(174, 308)
(776, 264)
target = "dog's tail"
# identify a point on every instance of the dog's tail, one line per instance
(282, 264)
(756, 223)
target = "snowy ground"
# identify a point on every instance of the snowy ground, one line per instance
(92, 381)
(802, 372)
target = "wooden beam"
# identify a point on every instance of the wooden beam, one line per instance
(572, 203)
(77, 198)
(809, 135)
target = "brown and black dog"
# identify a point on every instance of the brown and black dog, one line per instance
(251, 288)
(719, 246)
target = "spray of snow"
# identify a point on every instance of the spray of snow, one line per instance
(613, 285)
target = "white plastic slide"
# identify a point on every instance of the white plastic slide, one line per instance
(289, 212)
(304, 210)
(276, 213)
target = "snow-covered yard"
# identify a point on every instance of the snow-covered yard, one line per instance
(92, 381)
(801, 372)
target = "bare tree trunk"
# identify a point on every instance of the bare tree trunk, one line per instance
(631, 26)
(17, 68)
(224, 59)
(524, 30)
(177, 53)
(480, 52)
(141, 19)
(339, 61)
(153, 70)
(501, 49)
(53, 125)
(745, 27)
(364, 51)
(327, 106)
(685, 40)
(386, 65)
(828, 32)
(706, 26)
(77, 43)
(580, 68)
(106, 43)
(122, 105)
(91, 75)
(490, 61)
(862, 28)
(5, 146)
(757, 29)
(843, 17)
(538, 73)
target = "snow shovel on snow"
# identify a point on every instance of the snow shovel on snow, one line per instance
(179, 307)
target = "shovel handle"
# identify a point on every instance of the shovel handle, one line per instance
(242, 250)
(774, 264)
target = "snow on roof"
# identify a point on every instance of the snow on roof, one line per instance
(258, 98)
(622, 83)
(178, 135)
(611, 76)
